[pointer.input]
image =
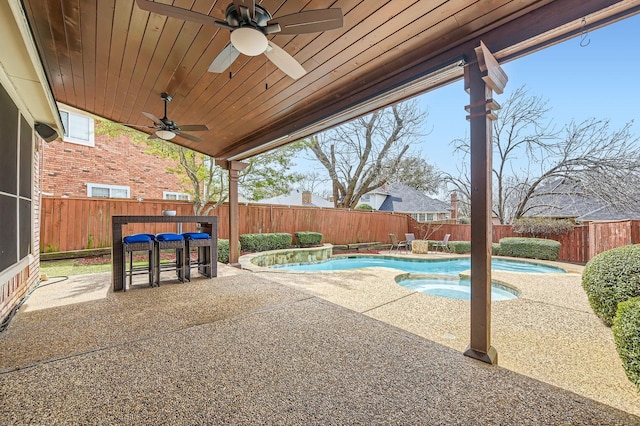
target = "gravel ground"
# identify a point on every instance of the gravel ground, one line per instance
(247, 348)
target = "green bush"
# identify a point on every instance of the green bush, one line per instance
(308, 239)
(612, 277)
(626, 332)
(495, 249)
(532, 248)
(223, 250)
(459, 247)
(365, 207)
(264, 242)
(539, 226)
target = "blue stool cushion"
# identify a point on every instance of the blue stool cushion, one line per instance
(137, 238)
(169, 237)
(196, 236)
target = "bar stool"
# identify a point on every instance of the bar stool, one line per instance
(139, 242)
(204, 264)
(168, 241)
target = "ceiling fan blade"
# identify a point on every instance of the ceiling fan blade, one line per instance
(153, 136)
(284, 61)
(153, 118)
(309, 21)
(187, 136)
(193, 128)
(176, 12)
(224, 59)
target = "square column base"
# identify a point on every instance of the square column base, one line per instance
(491, 357)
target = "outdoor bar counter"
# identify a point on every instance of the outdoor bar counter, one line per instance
(208, 224)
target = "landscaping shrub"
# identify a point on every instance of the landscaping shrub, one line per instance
(612, 277)
(307, 239)
(532, 248)
(223, 250)
(459, 247)
(626, 332)
(539, 226)
(264, 242)
(365, 207)
(495, 249)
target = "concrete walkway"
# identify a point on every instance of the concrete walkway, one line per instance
(245, 348)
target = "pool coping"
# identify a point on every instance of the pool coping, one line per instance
(247, 264)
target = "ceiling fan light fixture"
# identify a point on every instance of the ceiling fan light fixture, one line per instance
(165, 134)
(249, 41)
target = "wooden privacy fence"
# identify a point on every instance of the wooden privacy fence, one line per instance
(69, 224)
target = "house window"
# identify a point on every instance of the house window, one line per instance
(99, 190)
(77, 128)
(168, 195)
(16, 184)
(429, 217)
(419, 217)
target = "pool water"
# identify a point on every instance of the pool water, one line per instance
(453, 288)
(418, 266)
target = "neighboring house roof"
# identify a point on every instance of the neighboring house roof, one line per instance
(403, 198)
(295, 198)
(570, 200)
(384, 190)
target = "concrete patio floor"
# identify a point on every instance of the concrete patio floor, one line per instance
(248, 348)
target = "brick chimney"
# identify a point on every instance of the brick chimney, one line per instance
(306, 198)
(454, 205)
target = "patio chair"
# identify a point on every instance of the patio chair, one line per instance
(169, 241)
(444, 244)
(409, 238)
(201, 241)
(397, 244)
(139, 242)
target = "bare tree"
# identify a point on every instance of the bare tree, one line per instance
(315, 182)
(363, 154)
(529, 155)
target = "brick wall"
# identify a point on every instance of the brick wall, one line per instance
(68, 167)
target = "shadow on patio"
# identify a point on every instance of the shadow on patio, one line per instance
(242, 348)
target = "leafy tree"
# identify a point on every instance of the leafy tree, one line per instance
(268, 174)
(365, 153)
(415, 172)
(530, 155)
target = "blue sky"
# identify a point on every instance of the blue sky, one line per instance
(601, 80)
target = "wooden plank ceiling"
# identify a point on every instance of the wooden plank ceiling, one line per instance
(112, 59)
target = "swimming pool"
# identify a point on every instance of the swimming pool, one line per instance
(418, 266)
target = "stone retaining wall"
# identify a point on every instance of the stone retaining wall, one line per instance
(298, 255)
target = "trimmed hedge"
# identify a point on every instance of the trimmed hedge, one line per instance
(223, 250)
(459, 247)
(531, 248)
(626, 332)
(541, 226)
(264, 242)
(495, 249)
(307, 239)
(612, 277)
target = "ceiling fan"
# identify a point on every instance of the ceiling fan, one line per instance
(167, 129)
(250, 24)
